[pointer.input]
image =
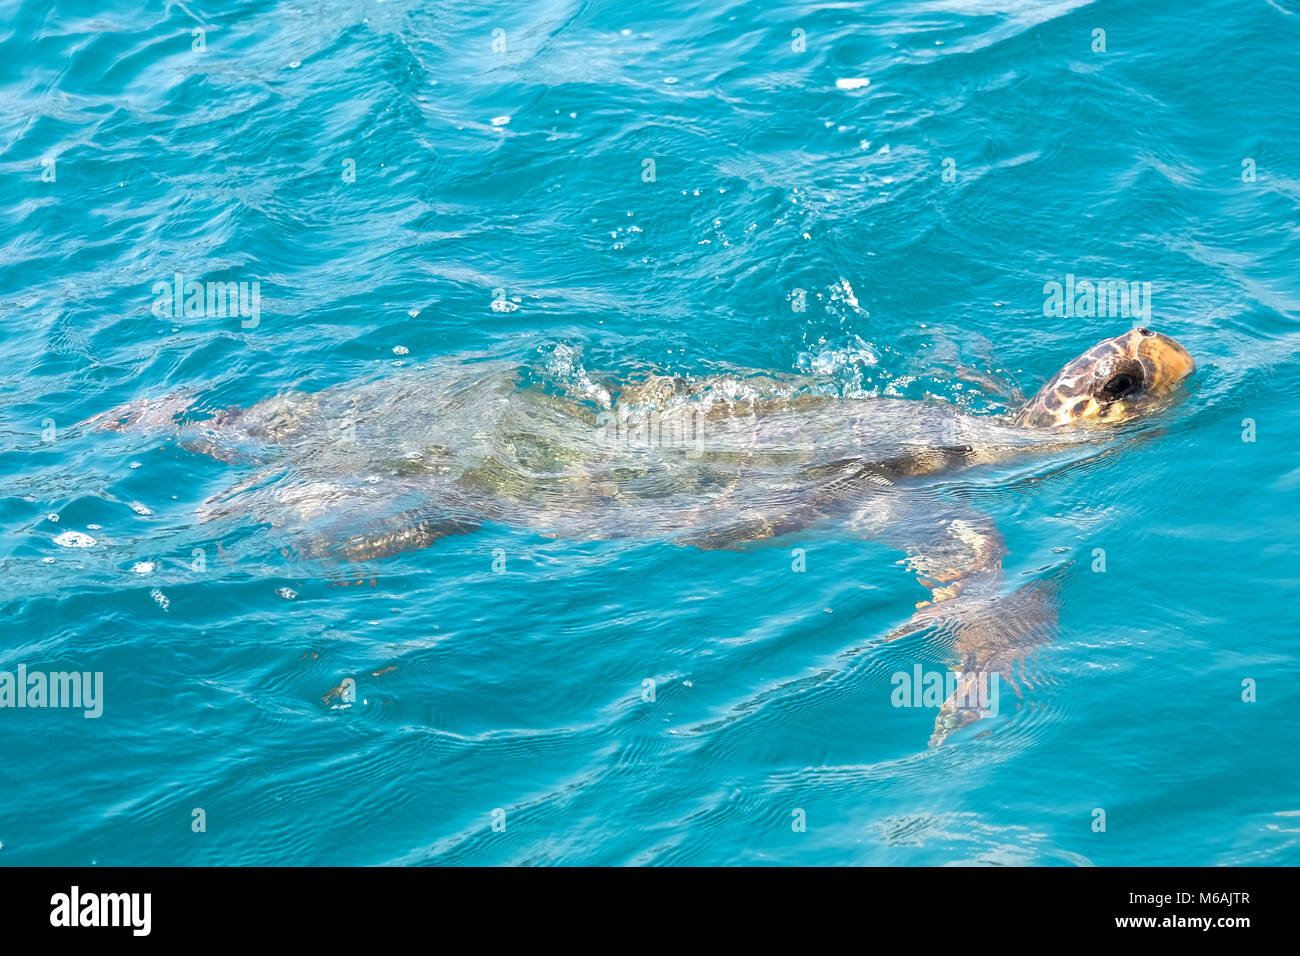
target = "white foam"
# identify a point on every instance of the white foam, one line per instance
(74, 539)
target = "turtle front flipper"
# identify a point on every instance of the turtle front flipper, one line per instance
(956, 553)
(994, 636)
(961, 552)
(951, 548)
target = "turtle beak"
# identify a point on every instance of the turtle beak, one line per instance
(1168, 360)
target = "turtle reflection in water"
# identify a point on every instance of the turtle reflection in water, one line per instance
(368, 471)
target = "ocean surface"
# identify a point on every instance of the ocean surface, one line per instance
(875, 195)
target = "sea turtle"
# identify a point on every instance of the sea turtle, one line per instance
(367, 471)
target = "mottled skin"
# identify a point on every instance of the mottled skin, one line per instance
(364, 472)
(1114, 381)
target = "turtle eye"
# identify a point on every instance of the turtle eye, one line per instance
(1122, 381)
(1119, 386)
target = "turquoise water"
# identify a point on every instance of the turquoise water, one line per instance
(502, 205)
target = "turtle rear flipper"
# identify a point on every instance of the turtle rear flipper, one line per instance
(738, 534)
(224, 436)
(414, 536)
(143, 414)
(360, 533)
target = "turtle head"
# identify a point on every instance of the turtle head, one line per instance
(1114, 381)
